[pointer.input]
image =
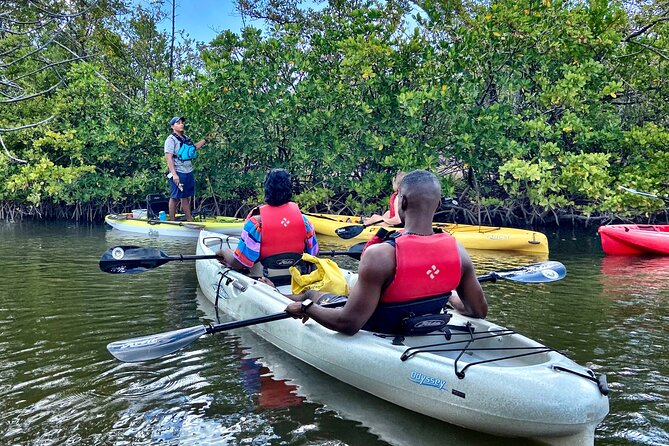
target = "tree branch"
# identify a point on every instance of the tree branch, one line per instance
(9, 155)
(646, 28)
(650, 48)
(27, 126)
(100, 75)
(30, 96)
(52, 64)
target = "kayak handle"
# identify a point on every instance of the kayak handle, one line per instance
(601, 381)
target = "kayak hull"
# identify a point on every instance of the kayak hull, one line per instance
(519, 397)
(471, 236)
(635, 239)
(157, 228)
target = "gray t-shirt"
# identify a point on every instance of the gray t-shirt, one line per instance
(172, 145)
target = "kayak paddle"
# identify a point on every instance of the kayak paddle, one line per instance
(543, 272)
(644, 194)
(347, 232)
(150, 347)
(136, 259)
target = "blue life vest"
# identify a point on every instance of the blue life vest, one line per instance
(187, 150)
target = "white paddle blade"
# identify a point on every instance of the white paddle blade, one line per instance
(146, 348)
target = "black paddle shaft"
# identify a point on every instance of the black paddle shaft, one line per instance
(136, 259)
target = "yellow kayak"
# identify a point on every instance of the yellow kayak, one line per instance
(471, 236)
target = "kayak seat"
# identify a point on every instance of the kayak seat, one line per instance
(156, 203)
(275, 267)
(419, 325)
(405, 318)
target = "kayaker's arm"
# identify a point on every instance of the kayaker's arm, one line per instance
(377, 267)
(470, 299)
(200, 143)
(169, 157)
(228, 259)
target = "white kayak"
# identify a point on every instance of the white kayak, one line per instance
(490, 379)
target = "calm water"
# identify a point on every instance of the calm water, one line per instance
(58, 384)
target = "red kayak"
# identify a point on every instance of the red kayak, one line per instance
(635, 239)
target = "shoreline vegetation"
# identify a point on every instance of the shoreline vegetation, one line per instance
(492, 216)
(532, 112)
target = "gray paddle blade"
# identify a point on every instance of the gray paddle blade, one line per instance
(155, 346)
(544, 272)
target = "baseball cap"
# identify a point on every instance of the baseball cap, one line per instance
(177, 119)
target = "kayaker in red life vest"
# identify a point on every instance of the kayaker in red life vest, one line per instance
(276, 227)
(390, 217)
(421, 266)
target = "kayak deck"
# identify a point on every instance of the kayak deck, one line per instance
(156, 228)
(471, 236)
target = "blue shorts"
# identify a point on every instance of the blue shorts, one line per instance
(187, 180)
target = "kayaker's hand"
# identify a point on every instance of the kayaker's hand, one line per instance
(266, 281)
(295, 310)
(223, 257)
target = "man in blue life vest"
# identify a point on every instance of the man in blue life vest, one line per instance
(410, 274)
(180, 176)
(275, 228)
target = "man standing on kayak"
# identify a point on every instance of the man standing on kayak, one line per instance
(277, 227)
(180, 166)
(411, 274)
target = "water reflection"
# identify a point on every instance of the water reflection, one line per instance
(648, 276)
(637, 289)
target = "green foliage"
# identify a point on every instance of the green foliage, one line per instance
(544, 104)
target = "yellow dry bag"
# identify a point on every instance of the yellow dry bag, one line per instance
(326, 277)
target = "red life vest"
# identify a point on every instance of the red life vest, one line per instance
(392, 204)
(282, 229)
(426, 266)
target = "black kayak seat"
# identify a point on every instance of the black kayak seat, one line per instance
(156, 203)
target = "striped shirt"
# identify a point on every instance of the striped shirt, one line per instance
(248, 248)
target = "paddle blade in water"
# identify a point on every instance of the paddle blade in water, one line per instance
(544, 272)
(150, 347)
(354, 251)
(131, 259)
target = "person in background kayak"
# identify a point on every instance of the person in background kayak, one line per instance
(390, 217)
(410, 274)
(276, 227)
(180, 176)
